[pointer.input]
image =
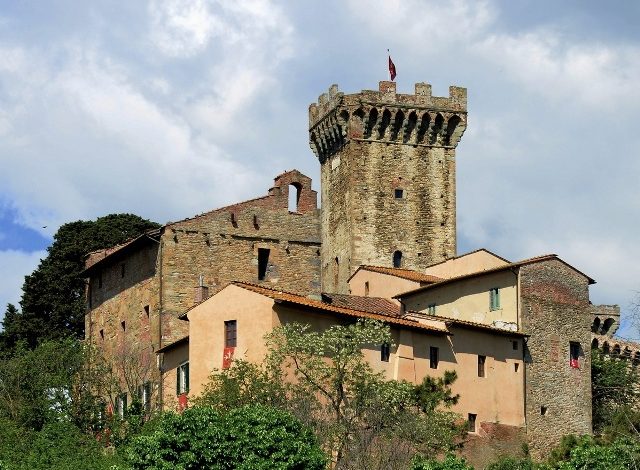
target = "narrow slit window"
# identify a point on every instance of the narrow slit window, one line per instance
(385, 352)
(146, 310)
(263, 263)
(122, 270)
(434, 358)
(515, 345)
(397, 259)
(123, 325)
(230, 333)
(494, 299)
(366, 289)
(481, 366)
(102, 334)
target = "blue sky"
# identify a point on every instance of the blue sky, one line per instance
(167, 108)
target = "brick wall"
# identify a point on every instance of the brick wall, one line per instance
(555, 311)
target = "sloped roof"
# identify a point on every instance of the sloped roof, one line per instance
(364, 304)
(183, 340)
(468, 254)
(470, 324)
(377, 314)
(517, 264)
(408, 274)
(95, 257)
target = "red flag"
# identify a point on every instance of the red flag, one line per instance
(392, 69)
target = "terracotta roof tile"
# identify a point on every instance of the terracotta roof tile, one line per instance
(402, 273)
(296, 299)
(364, 304)
(470, 324)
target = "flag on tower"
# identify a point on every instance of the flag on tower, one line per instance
(392, 69)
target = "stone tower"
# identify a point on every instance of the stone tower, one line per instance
(388, 178)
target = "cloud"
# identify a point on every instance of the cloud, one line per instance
(14, 265)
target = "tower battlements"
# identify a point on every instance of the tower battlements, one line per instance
(386, 116)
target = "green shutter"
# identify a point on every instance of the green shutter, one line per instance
(178, 380)
(186, 378)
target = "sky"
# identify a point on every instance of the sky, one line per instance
(168, 108)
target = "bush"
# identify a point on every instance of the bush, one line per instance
(622, 454)
(451, 462)
(510, 463)
(251, 437)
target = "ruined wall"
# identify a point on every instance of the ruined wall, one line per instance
(388, 177)
(555, 311)
(605, 319)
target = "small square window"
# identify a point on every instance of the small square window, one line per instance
(434, 357)
(471, 422)
(398, 193)
(543, 410)
(385, 352)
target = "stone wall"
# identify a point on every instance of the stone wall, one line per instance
(555, 311)
(388, 178)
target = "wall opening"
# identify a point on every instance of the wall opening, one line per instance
(471, 422)
(543, 410)
(397, 259)
(366, 289)
(336, 272)
(481, 362)
(398, 193)
(385, 352)
(263, 262)
(433, 357)
(608, 323)
(230, 333)
(294, 197)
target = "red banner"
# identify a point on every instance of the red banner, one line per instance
(227, 357)
(574, 363)
(183, 402)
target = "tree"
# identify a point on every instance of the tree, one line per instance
(248, 438)
(53, 303)
(614, 390)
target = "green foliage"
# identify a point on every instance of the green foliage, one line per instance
(53, 303)
(511, 463)
(251, 437)
(614, 389)
(451, 462)
(433, 392)
(58, 445)
(622, 454)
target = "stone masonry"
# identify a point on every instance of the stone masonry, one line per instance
(137, 291)
(555, 311)
(388, 178)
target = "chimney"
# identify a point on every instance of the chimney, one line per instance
(202, 291)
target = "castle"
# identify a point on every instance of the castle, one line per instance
(186, 298)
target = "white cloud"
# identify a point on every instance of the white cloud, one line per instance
(14, 266)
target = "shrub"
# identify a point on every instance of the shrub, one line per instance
(451, 462)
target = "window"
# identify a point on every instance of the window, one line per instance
(494, 299)
(397, 259)
(543, 410)
(121, 405)
(336, 271)
(574, 354)
(102, 334)
(263, 263)
(230, 333)
(234, 219)
(516, 366)
(431, 309)
(294, 197)
(514, 345)
(256, 225)
(144, 395)
(481, 362)
(366, 289)
(398, 193)
(433, 357)
(146, 310)
(182, 378)
(123, 325)
(471, 422)
(122, 270)
(385, 352)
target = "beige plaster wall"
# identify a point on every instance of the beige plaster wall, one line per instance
(170, 362)
(470, 299)
(466, 264)
(380, 285)
(254, 315)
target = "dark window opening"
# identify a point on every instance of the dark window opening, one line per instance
(574, 354)
(516, 366)
(234, 219)
(543, 410)
(256, 225)
(263, 263)
(385, 352)
(122, 270)
(397, 259)
(433, 357)
(123, 325)
(230, 333)
(515, 345)
(431, 309)
(102, 334)
(471, 422)
(146, 310)
(366, 289)
(398, 193)
(294, 197)
(144, 396)
(336, 272)
(481, 362)
(121, 405)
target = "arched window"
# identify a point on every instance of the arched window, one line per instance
(596, 325)
(608, 323)
(594, 343)
(397, 259)
(294, 197)
(616, 350)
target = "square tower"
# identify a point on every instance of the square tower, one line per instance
(388, 178)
